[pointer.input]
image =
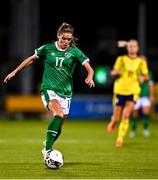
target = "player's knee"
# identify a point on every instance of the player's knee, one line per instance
(116, 118)
(59, 113)
(126, 115)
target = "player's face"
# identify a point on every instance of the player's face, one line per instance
(132, 47)
(64, 40)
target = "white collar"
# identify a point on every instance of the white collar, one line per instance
(56, 44)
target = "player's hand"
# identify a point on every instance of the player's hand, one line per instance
(115, 73)
(141, 79)
(90, 82)
(9, 76)
(152, 99)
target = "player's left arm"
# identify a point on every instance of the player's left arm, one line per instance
(145, 72)
(151, 86)
(143, 78)
(89, 79)
(85, 62)
(152, 91)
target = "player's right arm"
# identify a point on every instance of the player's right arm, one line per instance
(115, 72)
(23, 65)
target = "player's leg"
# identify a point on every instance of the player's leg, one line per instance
(51, 101)
(146, 119)
(59, 108)
(54, 126)
(124, 124)
(146, 109)
(134, 120)
(134, 117)
(65, 105)
(60, 130)
(117, 113)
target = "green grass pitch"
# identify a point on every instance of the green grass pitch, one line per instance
(89, 152)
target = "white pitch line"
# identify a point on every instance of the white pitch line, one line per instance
(38, 141)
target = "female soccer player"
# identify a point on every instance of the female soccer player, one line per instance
(144, 104)
(60, 59)
(128, 70)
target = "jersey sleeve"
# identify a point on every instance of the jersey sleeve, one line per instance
(80, 56)
(40, 51)
(144, 68)
(118, 62)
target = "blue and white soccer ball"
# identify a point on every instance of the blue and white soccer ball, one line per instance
(55, 159)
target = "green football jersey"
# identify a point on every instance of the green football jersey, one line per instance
(59, 66)
(145, 90)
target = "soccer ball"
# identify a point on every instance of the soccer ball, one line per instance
(55, 160)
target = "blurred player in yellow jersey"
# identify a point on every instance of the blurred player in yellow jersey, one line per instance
(129, 70)
(143, 106)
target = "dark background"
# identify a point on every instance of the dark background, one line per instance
(98, 26)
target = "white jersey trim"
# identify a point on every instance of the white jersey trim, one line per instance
(36, 54)
(87, 60)
(56, 44)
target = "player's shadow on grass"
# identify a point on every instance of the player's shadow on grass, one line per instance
(79, 163)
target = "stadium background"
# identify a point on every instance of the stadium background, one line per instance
(89, 151)
(26, 24)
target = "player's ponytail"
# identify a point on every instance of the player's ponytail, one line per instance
(122, 43)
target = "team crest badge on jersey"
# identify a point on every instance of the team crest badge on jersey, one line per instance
(67, 55)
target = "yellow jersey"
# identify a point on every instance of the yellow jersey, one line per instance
(130, 70)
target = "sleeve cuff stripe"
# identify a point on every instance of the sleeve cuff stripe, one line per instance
(87, 60)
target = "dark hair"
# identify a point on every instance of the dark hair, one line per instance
(66, 28)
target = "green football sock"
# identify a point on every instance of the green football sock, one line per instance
(146, 121)
(134, 123)
(59, 132)
(53, 131)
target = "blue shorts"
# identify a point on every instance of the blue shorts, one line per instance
(120, 100)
